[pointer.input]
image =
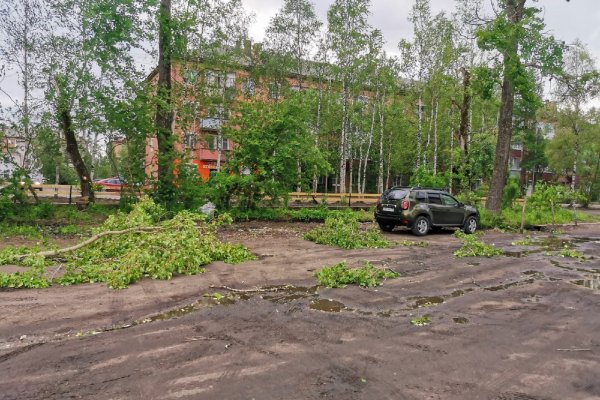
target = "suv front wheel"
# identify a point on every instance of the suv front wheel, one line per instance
(421, 226)
(471, 225)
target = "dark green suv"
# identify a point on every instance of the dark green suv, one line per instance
(422, 209)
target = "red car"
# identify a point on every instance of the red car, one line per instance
(111, 184)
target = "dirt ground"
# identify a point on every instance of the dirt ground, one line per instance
(523, 326)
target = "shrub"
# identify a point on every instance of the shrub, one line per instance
(473, 247)
(342, 230)
(339, 275)
(511, 192)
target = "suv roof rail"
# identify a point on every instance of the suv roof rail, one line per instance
(430, 188)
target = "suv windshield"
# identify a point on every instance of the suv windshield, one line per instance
(396, 194)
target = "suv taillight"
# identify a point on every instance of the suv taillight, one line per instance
(405, 204)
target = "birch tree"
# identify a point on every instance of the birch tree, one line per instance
(22, 24)
(578, 85)
(348, 30)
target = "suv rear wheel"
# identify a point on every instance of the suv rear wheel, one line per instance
(386, 227)
(471, 225)
(421, 226)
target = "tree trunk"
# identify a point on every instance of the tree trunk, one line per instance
(514, 11)
(66, 125)
(381, 157)
(428, 141)
(419, 131)
(317, 133)
(343, 140)
(464, 130)
(369, 144)
(164, 112)
(435, 139)
(500, 173)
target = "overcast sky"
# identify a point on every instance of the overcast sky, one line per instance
(565, 20)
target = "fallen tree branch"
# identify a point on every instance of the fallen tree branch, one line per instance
(51, 253)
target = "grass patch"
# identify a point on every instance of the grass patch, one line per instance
(474, 247)
(568, 252)
(411, 243)
(510, 218)
(24, 231)
(421, 320)
(339, 275)
(317, 214)
(343, 231)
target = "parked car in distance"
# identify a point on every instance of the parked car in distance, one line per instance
(114, 184)
(422, 209)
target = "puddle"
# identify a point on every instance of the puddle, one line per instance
(559, 265)
(428, 301)
(548, 244)
(509, 285)
(520, 254)
(326, 305)
(589, 281)
(531, 272)
(534, 274)
(460, 292)
(200, 304)
(290, 293)
(534, 298)
(460, 320)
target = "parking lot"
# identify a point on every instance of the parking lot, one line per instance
(520, 326)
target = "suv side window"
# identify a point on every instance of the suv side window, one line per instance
(449, 200)
(421, 196)
(396, 194)
(434, 198)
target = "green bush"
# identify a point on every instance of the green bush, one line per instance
(342, 230)
(470, 198)
(317, 214)
(25, 231)
(425, 177)
(473, 247)
(510, 218)
(7, 208)
(339, 275)
(511, 192)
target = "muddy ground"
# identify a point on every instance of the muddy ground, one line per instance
(524, 326)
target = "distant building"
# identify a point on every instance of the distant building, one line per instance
(15, 153)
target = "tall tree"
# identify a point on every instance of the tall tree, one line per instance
(164, 106)
(517, 34)
(348, 30)
(292, 33)
(22, 23)
(579, 84)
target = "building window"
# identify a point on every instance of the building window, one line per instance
(515, 163)
(190, 140)
(212, 141)
(190, 77)
(230, 80)
(218, 111)
(249, 87)
(274, 91)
